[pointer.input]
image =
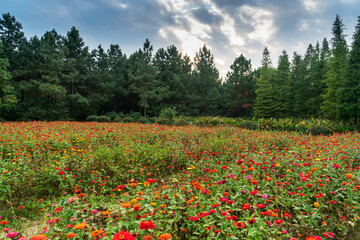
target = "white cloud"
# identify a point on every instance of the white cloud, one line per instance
(116, 3)
(311, 5)
(261, 20)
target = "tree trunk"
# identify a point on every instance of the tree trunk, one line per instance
(144, 111)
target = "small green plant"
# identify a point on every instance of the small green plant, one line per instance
(142, 120)
(91, 118)
(319, 130)
(168, 112)
(103, 118)
(118, 119)
(181, 122)
(128, 119)
(248, 125)
(163, 121)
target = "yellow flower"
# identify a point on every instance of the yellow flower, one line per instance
(316, 204)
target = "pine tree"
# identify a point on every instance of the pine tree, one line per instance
(349, 93)
(282, 86)
(205, 83)
(7, 99)
(264, 102)
(335, 76)
(240, 88)
(299, 90)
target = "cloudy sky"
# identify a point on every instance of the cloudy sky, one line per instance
(228, 27)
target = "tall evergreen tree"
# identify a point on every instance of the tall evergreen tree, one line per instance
(282, 86)
(299, 90)
(240, 88)
(12, 38)
(7, 99)
(142, 78)
(264, 102)
(349, 93)
(335, 76)
(205, 83)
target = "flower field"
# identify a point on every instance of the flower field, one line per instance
(61, 180)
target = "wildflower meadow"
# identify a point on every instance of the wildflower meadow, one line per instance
(89, 180)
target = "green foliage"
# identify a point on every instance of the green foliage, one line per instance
(181, 122)
(118, 119)
(103, 118)
(335, 76)
(128, 119)
(142, 120)
(163, 121)
(319, 130)
(168, 112)
(91, 118)
(248, 125)
(264, 102)
(349, 93)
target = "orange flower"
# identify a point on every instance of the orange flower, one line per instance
(165, 236)
(348, 176)
(105, 213)
(80, 225)
(70, 235)
(147, 237)
(39, 237)
(96, 233)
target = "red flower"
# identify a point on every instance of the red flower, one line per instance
(123, 235)
(239, 224)
(260, 205)
(58, 209)
(251, 221)
(147, 225)
(314, 238)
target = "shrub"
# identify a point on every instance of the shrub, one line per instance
(91, 118)
(118, 119)
(111, 115)
(103, 118)
(319, 130)
(163, 121)
(168, 112)
(248, 125)
(143, 120)
(181, 122)
(128, 119)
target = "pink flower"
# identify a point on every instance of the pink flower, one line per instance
(12, 234)
(328, 235)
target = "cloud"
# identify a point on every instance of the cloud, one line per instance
(228, 27)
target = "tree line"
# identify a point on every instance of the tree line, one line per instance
(57, 77)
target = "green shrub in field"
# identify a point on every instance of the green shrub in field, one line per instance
(181, 122)
(91, 118)
(319, 130)
(111, 115)
(142, 120)
(247, 124)
(128, 119)
(103, 118)
(118, 119)
(163, 121)
(168, 112)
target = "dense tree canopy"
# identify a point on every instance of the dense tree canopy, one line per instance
(55, 77)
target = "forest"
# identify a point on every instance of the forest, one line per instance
(55, 77)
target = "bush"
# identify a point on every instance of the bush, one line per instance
(91, 118)
(128, 119)
(163, 121)
(103, 119)
(111, 115)
(248, 125)
(118, 119)
(181, 122)
(319, 130)
(143, 120)
(168, 112)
